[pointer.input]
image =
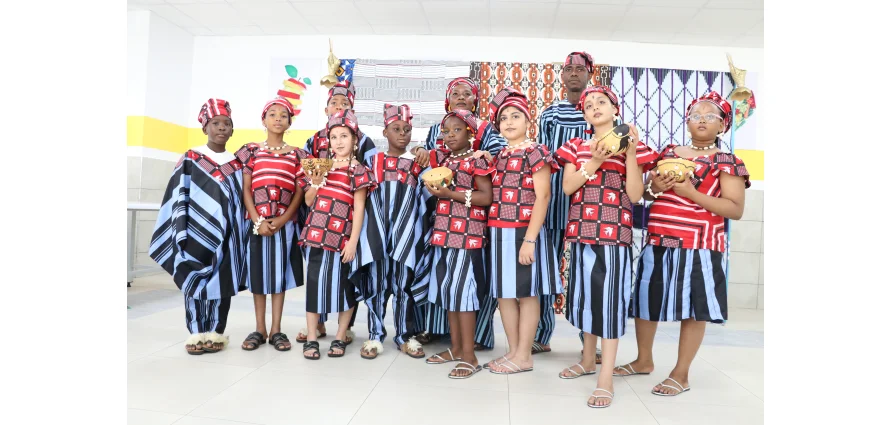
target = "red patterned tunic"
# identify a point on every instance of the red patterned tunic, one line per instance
(600, 212)
(329, 224)
(392, 168)
(677, 222)
(513, 187)
(274, 177)
(455, 225)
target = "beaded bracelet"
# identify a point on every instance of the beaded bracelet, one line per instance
(584, 173)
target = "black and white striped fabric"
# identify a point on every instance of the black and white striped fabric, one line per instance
(599, 289)
(457, 279)
(274, 263)
(509, 278)
(558, 124)
(676, 284)
(203, 316)
(328, 287)
(398, 278)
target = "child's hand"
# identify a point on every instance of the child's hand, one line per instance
(661, 183)
(266, 229)
(527, 254)
(315, 177)
(348, 253)
(483, 154)
(437, 191)
(600, 154)
(684, 189)
(276, 224)
(421, 157)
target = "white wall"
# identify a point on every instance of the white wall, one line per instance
(170, 54)
(238, 68)
(137, 60)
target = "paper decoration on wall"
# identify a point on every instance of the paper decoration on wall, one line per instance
(743, 111)
(294, 87)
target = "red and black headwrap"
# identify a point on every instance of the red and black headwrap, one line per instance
(344, 88)
(580, 58)
(282, 102)
(343, 118)
(461, 80)
(212, 108)
(508, 97)
(722, 104)
(467, 117)
(599, 89)
(394, 113)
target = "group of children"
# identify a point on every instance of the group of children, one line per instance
(517, 223)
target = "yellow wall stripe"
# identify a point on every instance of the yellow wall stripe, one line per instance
(157, 134)
(753, 162)
(162, 135)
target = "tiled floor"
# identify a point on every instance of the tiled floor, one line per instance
(167, 386)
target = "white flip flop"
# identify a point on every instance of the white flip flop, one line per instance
(595, 397)
(680, 390)
(577, 375)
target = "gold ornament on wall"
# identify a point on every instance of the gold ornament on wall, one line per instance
(740, 93)
(333, 67)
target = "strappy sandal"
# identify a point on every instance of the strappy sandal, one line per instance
(538, 348)
(411, 345)
(596, 397)
(679, 391)
(584, 372)
(278, 339)
(311, 345)
(303, 336)
(340, 345)
(253, 341)
(373, 348)
(196, 342)
(512, 368)
(473, 370)
(495, 361)
(444, 360)
(629, 370)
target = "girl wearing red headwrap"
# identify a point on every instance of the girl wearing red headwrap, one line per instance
(521, 262)
(602, 188)
(682, 268)
(271, 197)
(461, 94)
(335, 244)
(452, 267)
(198, 236)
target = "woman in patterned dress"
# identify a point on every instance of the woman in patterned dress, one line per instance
(682, 269)
(603, 188)
(271, 198)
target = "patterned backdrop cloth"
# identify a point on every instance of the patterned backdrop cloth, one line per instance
(420, 84)
(540, 82)
(654, 99)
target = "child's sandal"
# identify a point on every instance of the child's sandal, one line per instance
(278, 340)
(253, 341)
(311, 345)
(194, 345)
(340, 345)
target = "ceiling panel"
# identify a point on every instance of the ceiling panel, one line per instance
(686, 22)
(214, 15)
